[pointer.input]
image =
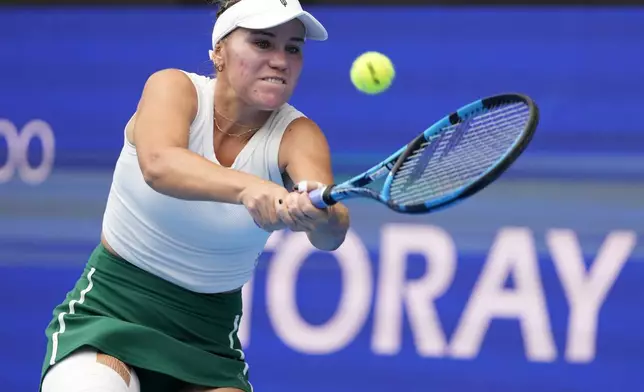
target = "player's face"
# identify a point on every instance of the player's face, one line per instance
(264, 66)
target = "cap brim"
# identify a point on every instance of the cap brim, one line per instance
(314, 29)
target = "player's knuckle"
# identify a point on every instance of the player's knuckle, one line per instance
(264, 197)
(252, 204)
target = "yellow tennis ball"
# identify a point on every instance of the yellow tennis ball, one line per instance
(372, 72)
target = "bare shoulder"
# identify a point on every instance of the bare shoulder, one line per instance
(171, 76)
(170, 85)
(305, 123)
(304, 146)
(166, 109)
(169, 91)
(168, 96)
(301, 130)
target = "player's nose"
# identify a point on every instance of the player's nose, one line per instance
(278, 61)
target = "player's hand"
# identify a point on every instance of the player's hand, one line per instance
(262, 201)
(298, 213)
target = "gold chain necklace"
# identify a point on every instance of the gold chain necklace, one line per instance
(232, 134)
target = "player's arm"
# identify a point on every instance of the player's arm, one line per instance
(166, 109)
(305, 156)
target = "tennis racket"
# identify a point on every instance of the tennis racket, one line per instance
(453, 159)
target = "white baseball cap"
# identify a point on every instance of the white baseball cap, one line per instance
(265, 14)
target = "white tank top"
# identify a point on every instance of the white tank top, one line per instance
(206, 247)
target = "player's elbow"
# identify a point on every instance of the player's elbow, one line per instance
(154, 166)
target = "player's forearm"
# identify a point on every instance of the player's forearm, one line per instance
(182, 174)
(330, 236)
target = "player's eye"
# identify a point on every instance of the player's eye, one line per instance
(293, 49)
(263, 44)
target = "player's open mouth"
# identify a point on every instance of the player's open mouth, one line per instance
(274, 80)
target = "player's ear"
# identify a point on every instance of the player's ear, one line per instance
(218, 57)
(218, 48)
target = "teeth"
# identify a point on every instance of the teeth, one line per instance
(274, 80)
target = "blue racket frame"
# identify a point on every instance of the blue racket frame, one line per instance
(356, 186)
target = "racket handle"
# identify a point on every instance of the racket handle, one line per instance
(321, 197)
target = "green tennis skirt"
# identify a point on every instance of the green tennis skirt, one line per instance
(171, 336)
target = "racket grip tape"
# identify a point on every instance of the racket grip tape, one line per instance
(321, 197)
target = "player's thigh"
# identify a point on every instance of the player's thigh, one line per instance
(89, 371)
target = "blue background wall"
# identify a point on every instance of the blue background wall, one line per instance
(81, 71)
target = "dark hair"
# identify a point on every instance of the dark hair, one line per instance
(224, 5)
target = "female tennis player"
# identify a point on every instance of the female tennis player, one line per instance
(204, 176)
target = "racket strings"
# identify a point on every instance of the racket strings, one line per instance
(479, 155)
(410, 163)
(446, 163)
(429, 182)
